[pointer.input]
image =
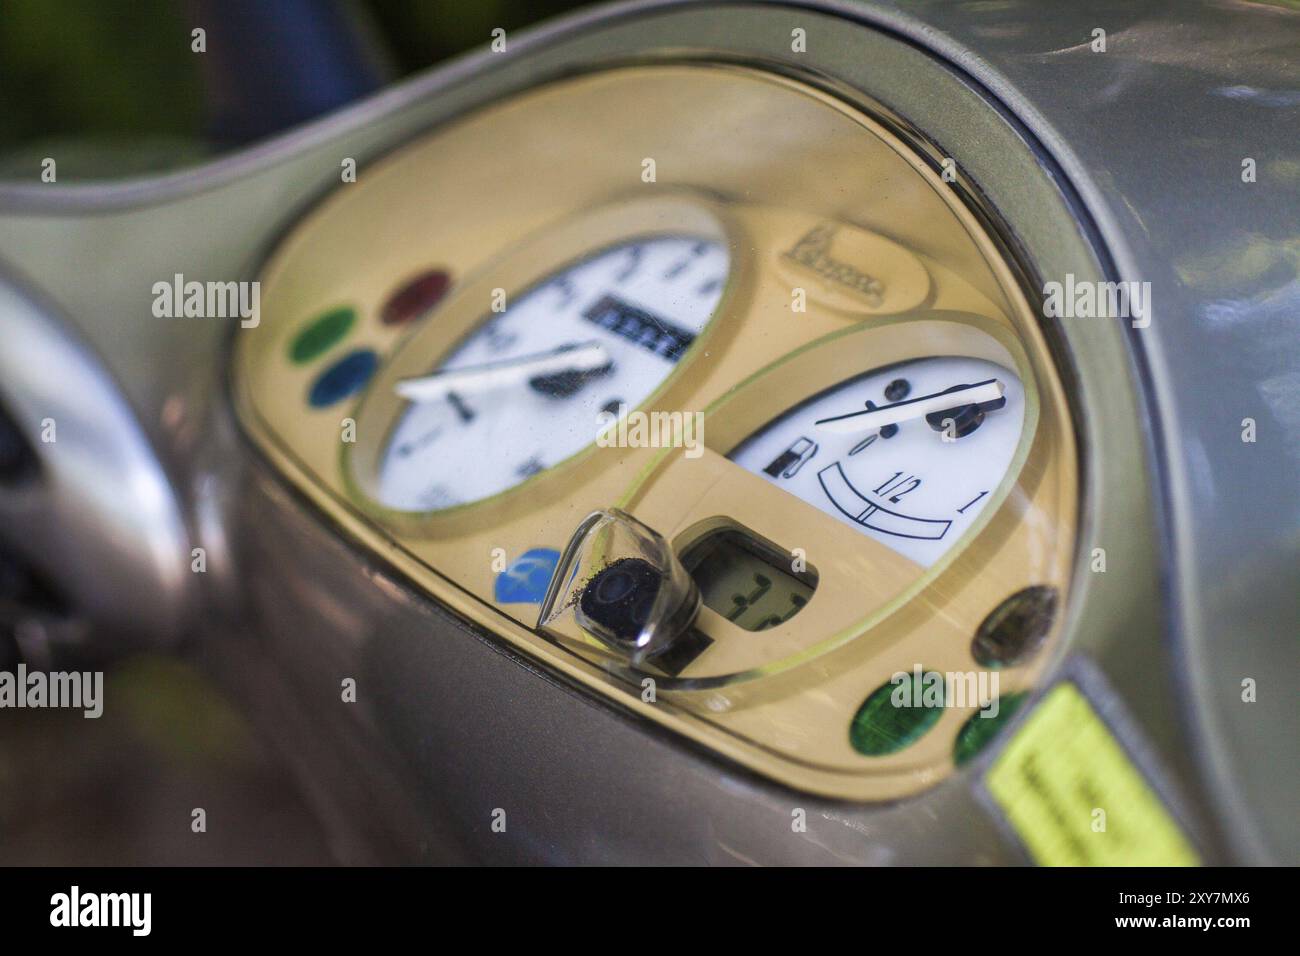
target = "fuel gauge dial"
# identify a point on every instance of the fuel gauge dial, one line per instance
(908, 454)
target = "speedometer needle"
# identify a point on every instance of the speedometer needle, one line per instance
(987, 394)
(576, 358)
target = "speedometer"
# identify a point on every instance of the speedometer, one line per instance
(521, 392)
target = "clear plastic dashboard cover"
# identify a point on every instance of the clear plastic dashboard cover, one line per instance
(755, 256)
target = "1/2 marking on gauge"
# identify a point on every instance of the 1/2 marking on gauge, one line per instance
(894, 482)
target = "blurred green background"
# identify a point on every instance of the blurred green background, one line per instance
(117, 79)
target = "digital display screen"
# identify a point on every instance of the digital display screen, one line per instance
(748, 582)
(637, 325)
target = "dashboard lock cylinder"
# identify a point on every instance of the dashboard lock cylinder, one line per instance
(619, 582)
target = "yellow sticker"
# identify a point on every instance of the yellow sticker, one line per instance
(1075, 798)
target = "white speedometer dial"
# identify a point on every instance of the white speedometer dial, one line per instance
(909, 455)
(523, 391)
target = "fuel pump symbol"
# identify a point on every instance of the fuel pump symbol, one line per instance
(788, 463)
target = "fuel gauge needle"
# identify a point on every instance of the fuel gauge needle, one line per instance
(579, 359)
(987, 394)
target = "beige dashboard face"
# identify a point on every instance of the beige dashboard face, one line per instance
(796, 260)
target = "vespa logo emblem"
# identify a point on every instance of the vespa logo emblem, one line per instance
(853, 270)
(813, 252)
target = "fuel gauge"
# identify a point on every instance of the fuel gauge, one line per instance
(908, 454)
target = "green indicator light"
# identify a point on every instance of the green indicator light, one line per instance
(321, 334)
(976, 733)
(896, 715)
